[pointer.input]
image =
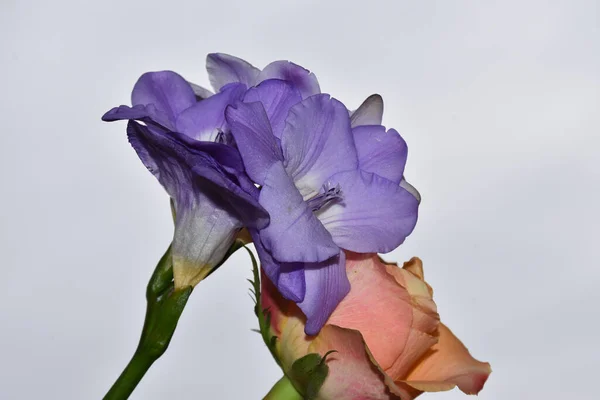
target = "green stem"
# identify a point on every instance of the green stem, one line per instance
(283, 390)
(164, 307)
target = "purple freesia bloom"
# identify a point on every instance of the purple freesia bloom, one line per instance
(181, 143)
(330, 179)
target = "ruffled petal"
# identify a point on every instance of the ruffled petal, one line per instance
(300, 77)
(317, 142)
(449, 364)
(277, 97)
(326, 285)
(380, 152)
(205, 120)
(252, 132)
(370, 112)
(375, 215)
(294, 233)
(167, 91)
(147, 114)
(223, 69)
(209, 204)
(410, 189)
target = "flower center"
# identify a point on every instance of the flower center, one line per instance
(329, 195)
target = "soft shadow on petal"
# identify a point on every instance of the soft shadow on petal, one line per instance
(317, 142)
(201, 92)
(300, 77)
(374, 216)
(370, 112)
(252, 132)
(380, 152)
(294, 233)
(326, 285)
(223, 69)
(277, 97)
(166, 90)
(206, 119)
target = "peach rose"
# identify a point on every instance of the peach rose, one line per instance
(387, 334)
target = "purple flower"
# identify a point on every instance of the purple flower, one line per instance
(180, 140)
(331, 180)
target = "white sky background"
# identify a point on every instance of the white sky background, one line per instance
(499, 102)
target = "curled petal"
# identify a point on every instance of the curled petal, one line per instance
(147, 114)
(300, 77)
(380, 152)
(375, 215)
(223, 69)
(167, 91)
(277, 97)
(326, 285)
(205, 120)
(410, 189)
(370, 112)
(317, 142)
(294, 233)
(252, 132)
(449, 364)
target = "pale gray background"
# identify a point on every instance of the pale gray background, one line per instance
(498, 100)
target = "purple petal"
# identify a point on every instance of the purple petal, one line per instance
(277, 97)
(370, 112)
(223, 69)
(410, 189)
(148, 114)
(166, 90)
(288, 277)
(300, 77)
(200, 92)
(375, 215)
(252, 132)
(209, 206)
(294, 233)
(205, 120)
(380, 152)
(317, 142)
(326, 286)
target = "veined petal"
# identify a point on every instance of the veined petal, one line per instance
(206, 119)
(300, 77)
(326, 285)
(294, 233)
(317, 142)
(277, 97)
(380, 152)
(166, 90)
(209, 204)
(223, 69)
(252, 132)
(375, 216)
(370, 112)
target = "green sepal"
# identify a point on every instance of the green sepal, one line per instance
(309, 373)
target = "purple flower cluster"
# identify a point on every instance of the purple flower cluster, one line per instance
(269, 152)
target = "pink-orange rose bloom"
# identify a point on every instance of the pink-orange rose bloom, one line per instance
(387, 334)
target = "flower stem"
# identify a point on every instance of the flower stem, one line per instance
(283, 390)
(164, 307)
